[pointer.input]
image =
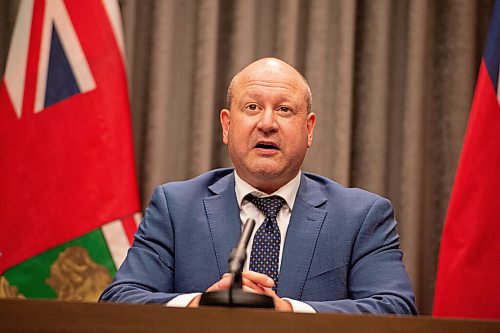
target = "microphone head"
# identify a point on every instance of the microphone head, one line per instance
(239, 253)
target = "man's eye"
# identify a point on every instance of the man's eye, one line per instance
(252, 107)
(284, 109)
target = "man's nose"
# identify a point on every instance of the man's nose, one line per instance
(267, 121)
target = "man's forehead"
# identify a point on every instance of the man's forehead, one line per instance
(283, 82)
(266, 70)
(272, 74)
(256, 84)
(275, 95)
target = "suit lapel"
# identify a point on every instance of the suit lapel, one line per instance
(301, 237)
(223, 219)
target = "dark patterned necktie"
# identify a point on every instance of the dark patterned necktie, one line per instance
(264, 257)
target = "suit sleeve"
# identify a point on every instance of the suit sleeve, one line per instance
(377, 280)
(147, 274)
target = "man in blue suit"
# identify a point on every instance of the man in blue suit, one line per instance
(334, 249)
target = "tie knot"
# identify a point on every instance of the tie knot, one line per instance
(270, 206)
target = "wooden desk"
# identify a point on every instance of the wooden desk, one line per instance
(56, 316)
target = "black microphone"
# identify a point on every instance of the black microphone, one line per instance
(235, 296)
(239, 254)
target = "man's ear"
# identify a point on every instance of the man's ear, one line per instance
(225, 121)
(311, 120)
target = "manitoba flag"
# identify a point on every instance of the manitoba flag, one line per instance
(468, 277)
(68, 192)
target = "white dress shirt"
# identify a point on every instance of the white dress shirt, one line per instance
(248, 210)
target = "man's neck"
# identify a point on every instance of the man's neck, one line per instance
(288, 191)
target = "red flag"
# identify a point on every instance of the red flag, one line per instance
(468, 277)
(67, 163)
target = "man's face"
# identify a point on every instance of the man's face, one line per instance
(268, 129)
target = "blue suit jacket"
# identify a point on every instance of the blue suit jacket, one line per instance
(341, 250)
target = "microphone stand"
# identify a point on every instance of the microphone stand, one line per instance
(235, 296)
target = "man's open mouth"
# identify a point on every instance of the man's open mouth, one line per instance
(265, 145)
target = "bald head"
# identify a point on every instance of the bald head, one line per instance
(270, 67)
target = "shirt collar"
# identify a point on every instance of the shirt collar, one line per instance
(287, 191)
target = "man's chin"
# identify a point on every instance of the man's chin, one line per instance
(267, 171)
(265, 179)
(268, 175)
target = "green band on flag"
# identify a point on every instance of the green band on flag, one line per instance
(68, 268)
